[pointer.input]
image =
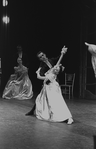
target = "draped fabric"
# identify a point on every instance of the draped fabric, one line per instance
(92, 50)
(50, 104)
(93, 59)
(19, 85)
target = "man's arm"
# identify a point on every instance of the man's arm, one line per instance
(38, 74)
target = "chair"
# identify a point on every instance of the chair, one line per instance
(67, 88)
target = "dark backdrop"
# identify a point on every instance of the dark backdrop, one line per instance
(41, 26)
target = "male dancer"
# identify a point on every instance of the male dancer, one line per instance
(45, 65)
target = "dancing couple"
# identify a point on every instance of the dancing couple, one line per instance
(50, 104)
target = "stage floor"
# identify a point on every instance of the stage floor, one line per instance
(18, 131)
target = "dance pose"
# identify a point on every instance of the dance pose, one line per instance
(50, 104)
(19, 85)
(92, 50)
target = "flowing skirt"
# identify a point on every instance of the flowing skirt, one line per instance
(18, 89)
(50, 104)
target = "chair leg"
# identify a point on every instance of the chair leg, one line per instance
(69, 92)
(72, 92)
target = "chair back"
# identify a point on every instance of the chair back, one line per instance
(69, 79)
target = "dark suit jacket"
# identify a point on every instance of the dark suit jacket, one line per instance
(45, 68)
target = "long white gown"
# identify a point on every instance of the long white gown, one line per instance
(50, 104)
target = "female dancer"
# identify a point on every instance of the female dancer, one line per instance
(19, 85)
(92, 50)
(50, 104)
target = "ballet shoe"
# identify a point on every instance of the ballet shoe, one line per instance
(70, 121)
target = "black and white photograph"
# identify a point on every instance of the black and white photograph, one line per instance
(48, 74)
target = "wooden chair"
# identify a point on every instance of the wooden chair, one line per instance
(67, 88)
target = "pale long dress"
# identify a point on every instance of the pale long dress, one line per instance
(50, 104)
(92, 50)
(19, 85)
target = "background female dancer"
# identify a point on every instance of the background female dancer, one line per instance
(92, 50)
(19, 85)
